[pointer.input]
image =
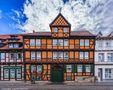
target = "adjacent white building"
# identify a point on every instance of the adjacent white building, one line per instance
(104, 58)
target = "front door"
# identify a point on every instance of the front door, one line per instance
(57, 74)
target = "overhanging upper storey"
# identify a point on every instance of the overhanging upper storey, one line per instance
(60, 27)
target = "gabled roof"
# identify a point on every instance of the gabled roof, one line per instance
(63, 20)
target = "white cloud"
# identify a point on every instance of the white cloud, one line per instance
(94, 15)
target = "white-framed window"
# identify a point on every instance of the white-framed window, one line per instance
(13, 56)
(81, 55)
(38, 55)
(79, 68)
(16, 45)
(109, 73)
(10, 45)
(66, 42)
(39, 68)
(60, 54)
(32, 55)
(33, 68)
(100, 43)
(86, 55)
(2, 56)
(65, 30)
(55, 29)
(38, 42)
(82, 42)
(55, 43)
(108, 43)
(32, 42)
(86, 42)
(55, 55)
(68, 68)
(19, 55)
(60, 42)
(110, 57)
(66, 56)
(101, 57)
(88, 68)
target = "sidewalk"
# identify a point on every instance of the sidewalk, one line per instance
(40, 83)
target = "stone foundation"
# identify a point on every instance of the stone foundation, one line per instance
(84, 79)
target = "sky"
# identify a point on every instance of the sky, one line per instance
(23, 16)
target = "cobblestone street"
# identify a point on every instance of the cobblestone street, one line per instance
(51, 86)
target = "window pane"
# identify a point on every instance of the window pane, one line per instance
(86, 42)
(65, 42)
(18, 73)
(65, 30)
(38, 42)
(101, 57)
(60, 54)
(12, 73)
(55, 42)
(69, 68)
(6, 73)
(66, 55)
(79, 68)
(33, 68)
(60, 42)
(19, 56)
(32, 42)
(88, 68)
(110, 57)
(55, 55)
(81, 55)
(2, 55)
(39, 68)
(86, 55)
(39, 55)
(81, 42)
(55, 29)
(32, 55)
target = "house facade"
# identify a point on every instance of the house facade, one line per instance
(57, 56)
(104, 58)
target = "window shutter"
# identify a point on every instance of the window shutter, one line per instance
(73, 68)
(92, 68)
(64, 68)
(83, 68)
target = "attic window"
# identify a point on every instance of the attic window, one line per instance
(65, 30)
(55, 29)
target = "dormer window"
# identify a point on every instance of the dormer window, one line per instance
(55, 29)
(65, 30)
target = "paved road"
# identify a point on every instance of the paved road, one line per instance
(38, 86)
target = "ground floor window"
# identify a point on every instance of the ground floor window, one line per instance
(108, 73)
(12, 72)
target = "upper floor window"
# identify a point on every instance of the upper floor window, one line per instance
(55, 42)
(60, 42)
(65, 30)
(2, 56)
(101, 57)
(65, 42)
(55, 29)
(13, 56)
(69, 68)
(108, 73)
(54, 55)
(38, 55)
(32, 42)
(38, 42)
(19, 55)
(79, 68)
(81, 42)
(32, 55)
(108, 44)
(86, 55)
(60, 55)
(88, 68)
(100, 43)
(110, 57)
(81, 55)
(86, 42)
(13, 45)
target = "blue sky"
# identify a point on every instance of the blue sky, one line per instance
(7, 8)
(20, 16)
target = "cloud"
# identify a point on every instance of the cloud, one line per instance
(93, 15)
